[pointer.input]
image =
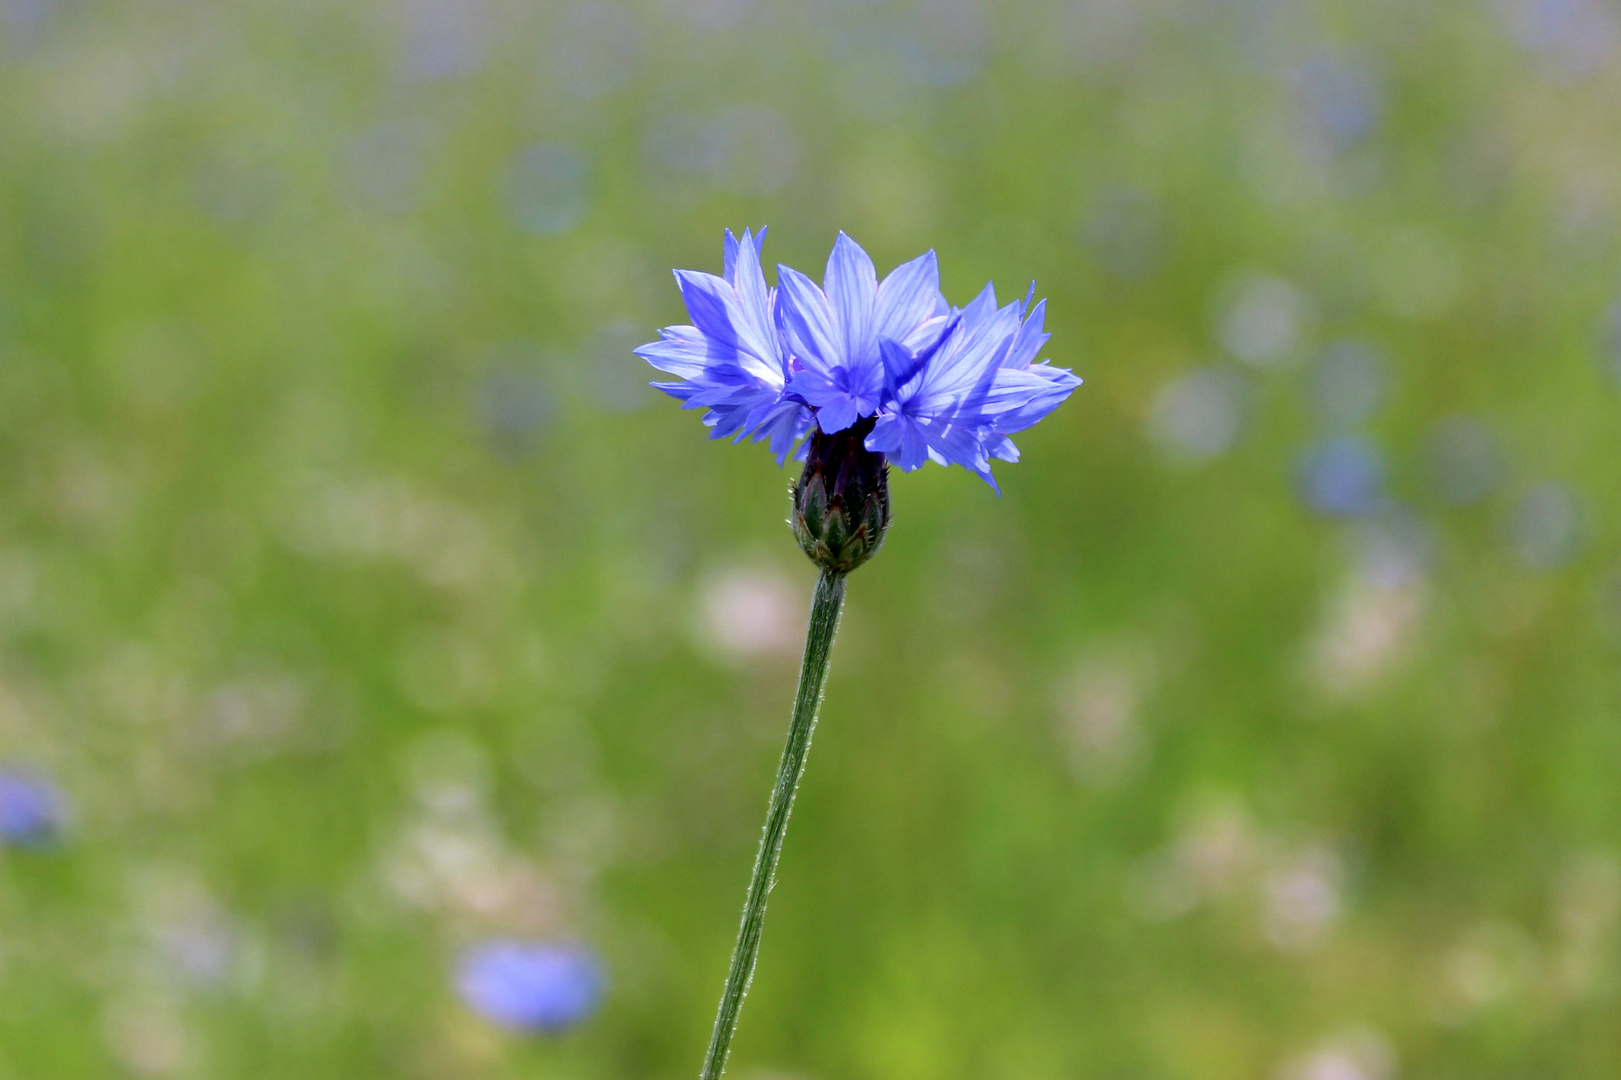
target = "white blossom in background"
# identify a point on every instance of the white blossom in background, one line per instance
(749, 612)
(1586, 909)
(1097, 706)
(450, 856)
(1360, 1053)
(1366, 632)
(1199, 415)
(1213, 857)
(389, 520)
(1493, 965)
(1262, 319)
(1301, 898)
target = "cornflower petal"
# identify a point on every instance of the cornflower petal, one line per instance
(1030, 339)
(901, 365)
(732, 358)
(729, 258)
(898, 436)
(851, 287)
(906, 298)
(807, 321)
(685, 351)
(840, 397)
(753, 305)
(719, 312)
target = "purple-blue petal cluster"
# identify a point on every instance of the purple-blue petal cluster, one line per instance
(941, 383)
(530, 985)
(33, 811)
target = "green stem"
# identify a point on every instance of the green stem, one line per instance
(824, 624)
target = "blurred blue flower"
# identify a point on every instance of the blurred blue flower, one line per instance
(942, 384)
(1342, 99)
(949, 42)
(1577, 37)
(1127, 230)
(594, 49)
(1343, 477)
(529, 985)
(33, 811)
(546, 188)
(381, 168)
(24, 13)
(744, 149)
(512, 406)
(1610, 342)
(446, 39)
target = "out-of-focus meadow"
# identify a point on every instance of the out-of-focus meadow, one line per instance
(362, 609)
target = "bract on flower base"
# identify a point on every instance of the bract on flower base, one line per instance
(841, 502)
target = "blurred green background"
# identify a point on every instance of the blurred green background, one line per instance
(362, 603)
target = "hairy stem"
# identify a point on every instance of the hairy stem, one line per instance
(824, 624)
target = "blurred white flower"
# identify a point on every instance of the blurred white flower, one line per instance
(146, 1035)
(1366, 632)
(1212, 858)
(1199, 415)
(1358, 1054)
(448, 545)
(1586, 907)
(1301, 898)
(1546, 526)
(747, 612)
(1097, 705)
(1261, 319)
(1494, 963)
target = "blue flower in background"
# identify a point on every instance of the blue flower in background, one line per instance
(547, 189)
(530, 986)
(1610, 343)
(1343, 477)
(936, 383)
(1342, 97)
(33, 811)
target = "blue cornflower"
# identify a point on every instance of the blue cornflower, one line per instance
(1343, 477)
(918, 379)
(865, 372)
(529, 985)
(33, 812)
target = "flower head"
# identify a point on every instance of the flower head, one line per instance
(33, 812)
(530, 986)
(938, 383)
